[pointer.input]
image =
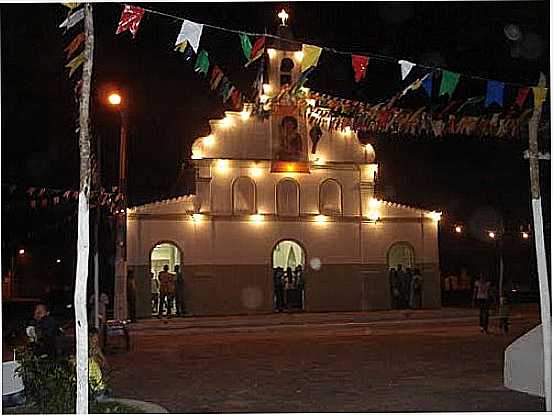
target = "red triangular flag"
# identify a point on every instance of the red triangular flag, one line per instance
(257, 49)
(359, 64)
(130, 19)
(74, 45)
(521, 97)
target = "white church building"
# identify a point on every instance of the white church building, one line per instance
(279, 192)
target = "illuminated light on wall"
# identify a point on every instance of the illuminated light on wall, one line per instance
(223, 165)
(197, 154)
(245, 115)
(320, 219)
(435, 216)
(256, 172)
(58, 261)
(272, 53)
(525, 235)
(226, 122)
(491, 235)
(256, 218)
(374, 216)
(298, 55)
(319, 161)
(197, 217)
(458, 229)
(209, 140)
(267, 89)
(21, 252)
(374, 203)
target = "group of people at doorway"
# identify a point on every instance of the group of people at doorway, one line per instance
(406, 287)
(289, 288)
(168, 292)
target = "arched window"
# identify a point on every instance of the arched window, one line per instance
(288, 198)
(243, 196)
(401, 253)
(286, 66)
(330, 198)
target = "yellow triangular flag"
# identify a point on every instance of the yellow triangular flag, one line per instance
(71, 5)
(539, 95)
(181, 47)
(75, 63)
(311, 56)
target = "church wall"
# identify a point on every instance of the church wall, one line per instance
(227, 261)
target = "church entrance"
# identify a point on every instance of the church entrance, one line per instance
(163, 254)
(288, 281)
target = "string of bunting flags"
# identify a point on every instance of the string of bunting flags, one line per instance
(43, 197)
(381, 117)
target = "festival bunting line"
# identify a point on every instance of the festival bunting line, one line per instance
(337, 51)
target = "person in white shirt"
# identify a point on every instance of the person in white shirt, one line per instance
(482, 296)
(154, 285)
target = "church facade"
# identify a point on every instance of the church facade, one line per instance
(281, 191)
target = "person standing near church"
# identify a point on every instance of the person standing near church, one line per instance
(482, 297)
(131, 296)
(154, 289)
(179, 291)
(166, 290)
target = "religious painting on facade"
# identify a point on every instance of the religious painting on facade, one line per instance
(289, 141)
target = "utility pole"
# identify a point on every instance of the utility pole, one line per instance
(83, 238)
(120, 301)
(534, 157)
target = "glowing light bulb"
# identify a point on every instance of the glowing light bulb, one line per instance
(226, 122)
(525, 235)
(209, 140)
(320, 218)
(374, 203)
(197, 217)
(245, 115)
(491, 235)
(272, 53)
(58, 261)
(223, 165)
(256, 172)
(458, 229)
(267, 89)
(114, 99)
(21, 252)
(435, 216)
(256, 218)
(298, 55)
(283, 16)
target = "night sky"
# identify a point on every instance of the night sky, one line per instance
(170, 104)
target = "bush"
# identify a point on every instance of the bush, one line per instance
(50, 383)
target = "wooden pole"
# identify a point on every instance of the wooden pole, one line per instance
(83, 243)
(539, 240)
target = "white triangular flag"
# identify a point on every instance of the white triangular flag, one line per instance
(73, 19)
(192, 32)
(406, 67)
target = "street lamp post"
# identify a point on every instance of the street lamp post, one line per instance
(120, 297)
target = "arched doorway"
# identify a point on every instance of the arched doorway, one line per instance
(164, 253)
(401, 253)
(288, 283)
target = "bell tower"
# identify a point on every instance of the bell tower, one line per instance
(285, 56)
(288, 126)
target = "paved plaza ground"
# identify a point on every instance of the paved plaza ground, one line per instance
(342, 362)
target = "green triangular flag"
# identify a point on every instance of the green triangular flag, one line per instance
(202, 62)
(246, 45)
(449, 82)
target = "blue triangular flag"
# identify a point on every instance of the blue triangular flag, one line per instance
(427, 84)
(494, 93)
